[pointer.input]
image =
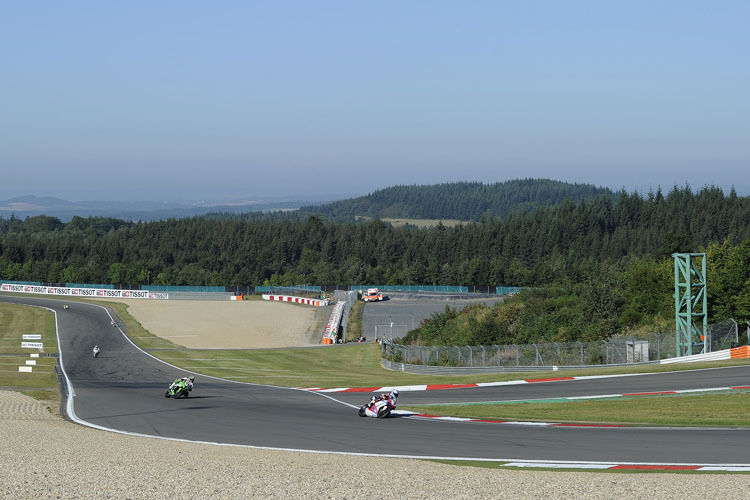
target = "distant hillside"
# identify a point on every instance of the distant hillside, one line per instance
(32, 206)
(468, 201)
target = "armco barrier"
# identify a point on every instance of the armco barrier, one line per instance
(294, 300)
(331, 334)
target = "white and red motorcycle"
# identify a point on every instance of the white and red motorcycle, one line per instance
(380, 406)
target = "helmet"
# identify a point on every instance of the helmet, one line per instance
(192, 378)
(394, 393)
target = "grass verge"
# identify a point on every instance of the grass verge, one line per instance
(43, 395)
(348, 365)
(730, 409)
(15, 321)
(142, 337)
(354, 326)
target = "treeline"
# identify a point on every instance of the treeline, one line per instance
(465, 201)
(558, 244)
(606, 302)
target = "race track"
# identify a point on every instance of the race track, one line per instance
(124, 389)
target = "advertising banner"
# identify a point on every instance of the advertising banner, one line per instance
(93, 293)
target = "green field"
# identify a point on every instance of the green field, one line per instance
(728, 409)
(350, 365)
(15, 321)
(420, 223)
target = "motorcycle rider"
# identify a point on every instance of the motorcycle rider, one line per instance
(189, 381)
(392, 396)
(96, 350)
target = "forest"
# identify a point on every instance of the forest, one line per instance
(587, 259)
(465, 201)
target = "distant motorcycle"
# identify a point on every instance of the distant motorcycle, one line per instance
(96, 351)
(378, 407)
(177, 389)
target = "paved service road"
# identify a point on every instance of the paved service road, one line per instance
(124, 389)
(403, 312)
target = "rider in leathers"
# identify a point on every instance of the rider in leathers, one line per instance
(385, 397)
(189, 381)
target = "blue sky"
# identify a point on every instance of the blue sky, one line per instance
(205, 100)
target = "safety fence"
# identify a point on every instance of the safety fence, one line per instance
(32, 283)
(186, 288)
(614, 351)
(313, 291)
(89, 285)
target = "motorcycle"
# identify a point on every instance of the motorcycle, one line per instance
(379, 408)
(177, 389)
(96, 351)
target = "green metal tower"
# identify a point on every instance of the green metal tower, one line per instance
(690, 304)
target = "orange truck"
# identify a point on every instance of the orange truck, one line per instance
(372, 295)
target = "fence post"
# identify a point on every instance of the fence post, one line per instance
(484, 356)
(581, 347)
(606, 352)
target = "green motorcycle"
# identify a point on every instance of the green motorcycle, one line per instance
(177, 389)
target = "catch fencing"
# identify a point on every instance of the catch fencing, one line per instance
(614, 351)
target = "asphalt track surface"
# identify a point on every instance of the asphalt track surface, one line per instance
(124, 389)
(407, 310)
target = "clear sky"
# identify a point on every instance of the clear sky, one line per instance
(194, 100)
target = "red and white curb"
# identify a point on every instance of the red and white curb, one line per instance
(629, 466)
(439, 387)
(494, 421)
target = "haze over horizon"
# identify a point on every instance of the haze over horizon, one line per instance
(190, 101)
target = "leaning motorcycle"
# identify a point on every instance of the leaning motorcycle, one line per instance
(380, 408)
(177, 389)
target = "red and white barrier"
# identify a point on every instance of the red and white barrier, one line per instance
(294, 300)
(733, 353)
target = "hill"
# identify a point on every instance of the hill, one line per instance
(135, 210)
(466, 201)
